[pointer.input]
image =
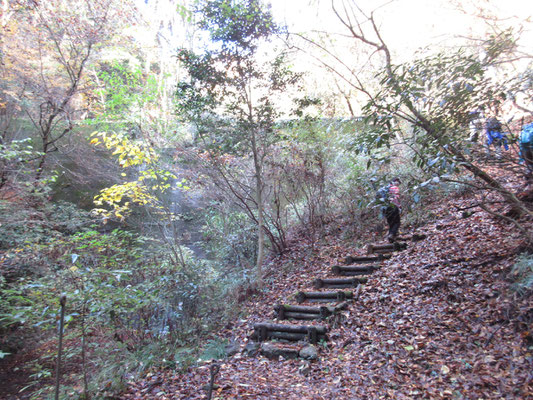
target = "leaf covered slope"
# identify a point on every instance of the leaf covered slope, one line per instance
(439, 320)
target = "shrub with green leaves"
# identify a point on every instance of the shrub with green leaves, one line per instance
(22, 226)
(229, 237)
(522, 274)
(14, 160)
(123, 292)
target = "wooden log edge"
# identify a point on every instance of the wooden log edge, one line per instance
(301, 316)
(349, 260)
(325, 296)
(318, 283)
(293, 336)
(302, 309)
(322, 329)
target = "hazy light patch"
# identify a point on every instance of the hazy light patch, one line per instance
(406, 25)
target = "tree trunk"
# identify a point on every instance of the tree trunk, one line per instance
(425, 124)
(259, 195)
(42, 160)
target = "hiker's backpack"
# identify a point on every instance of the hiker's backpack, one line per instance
(526, 137)
(382, 194)
(494, 125)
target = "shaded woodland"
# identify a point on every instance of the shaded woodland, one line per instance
(173, 173)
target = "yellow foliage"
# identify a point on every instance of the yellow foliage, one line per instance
(114, 196)
(130, 153)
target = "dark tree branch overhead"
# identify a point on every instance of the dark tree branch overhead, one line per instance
(398, 89)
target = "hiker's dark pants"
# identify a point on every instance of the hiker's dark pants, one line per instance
(527, 154)
(392, 213)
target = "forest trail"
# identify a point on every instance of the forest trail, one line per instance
(353, 276)
(438, 321)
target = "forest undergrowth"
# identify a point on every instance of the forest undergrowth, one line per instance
(444, 319)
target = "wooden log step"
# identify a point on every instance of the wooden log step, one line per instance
(292, 336)
(312, 333)
(383, 251)
(324, 297)
(300, 316)
(285, 311)
(338, 283)
(311, 309)
(385, 248)
(365, 259)
(353, 270)
(321, 329)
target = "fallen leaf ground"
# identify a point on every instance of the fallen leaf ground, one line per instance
(438, 321)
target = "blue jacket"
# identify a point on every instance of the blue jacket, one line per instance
(498, 137)
(526, 136)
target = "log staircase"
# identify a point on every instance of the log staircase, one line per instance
(331, 297)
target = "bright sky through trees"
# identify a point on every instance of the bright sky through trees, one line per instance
(408, 24)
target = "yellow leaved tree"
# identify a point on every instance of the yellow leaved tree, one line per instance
(145, 190)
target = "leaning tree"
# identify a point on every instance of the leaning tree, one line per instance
(427, 103)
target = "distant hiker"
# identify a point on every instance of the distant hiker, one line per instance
(393, 209)
(526, 146)
(495, 136)
(475, 125)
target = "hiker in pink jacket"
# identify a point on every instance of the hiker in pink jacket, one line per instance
(393, 209)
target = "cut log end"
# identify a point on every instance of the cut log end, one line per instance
(318, 283)
(300, 297)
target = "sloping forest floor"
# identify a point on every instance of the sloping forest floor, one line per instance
(439, 321)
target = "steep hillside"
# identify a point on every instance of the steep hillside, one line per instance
(438, 320)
